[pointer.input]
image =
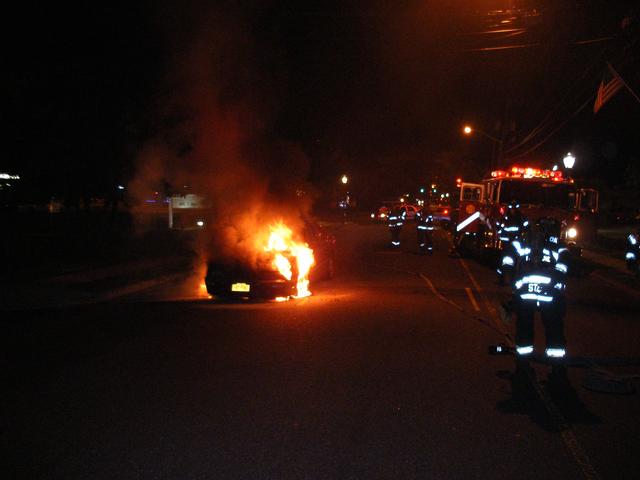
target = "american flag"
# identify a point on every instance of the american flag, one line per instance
(609, 86)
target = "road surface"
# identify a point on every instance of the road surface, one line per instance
(382, 373)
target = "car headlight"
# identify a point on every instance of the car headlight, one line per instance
(373, 215)
(572, 233)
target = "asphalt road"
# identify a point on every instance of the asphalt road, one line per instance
(382, 373)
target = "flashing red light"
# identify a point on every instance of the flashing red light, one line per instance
(446, 212)
(576, 218)
(501, 210)
(528, 172)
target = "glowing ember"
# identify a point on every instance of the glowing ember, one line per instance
(282, 244)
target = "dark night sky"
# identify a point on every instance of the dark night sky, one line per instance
(379, 89)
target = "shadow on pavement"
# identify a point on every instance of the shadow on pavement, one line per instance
(525, 400)
(565, 397)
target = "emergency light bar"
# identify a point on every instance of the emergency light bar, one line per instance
(528, 172)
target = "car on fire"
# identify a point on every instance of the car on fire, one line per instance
(236, 279)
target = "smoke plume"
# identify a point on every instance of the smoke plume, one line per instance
(214, 131)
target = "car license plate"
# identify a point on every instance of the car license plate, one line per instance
(240, 287)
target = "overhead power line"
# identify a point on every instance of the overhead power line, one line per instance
(555, 130)
(589, 41)
(586, 86)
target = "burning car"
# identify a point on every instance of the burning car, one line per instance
(235, 279)
(282, 270)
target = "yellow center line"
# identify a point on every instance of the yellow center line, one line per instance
(493, 314)
(472, 299)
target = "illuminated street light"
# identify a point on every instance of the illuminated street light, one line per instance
(468, 130)
(344, 179)
(569, 161)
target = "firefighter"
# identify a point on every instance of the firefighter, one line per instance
(510, 227)
(632, 256)
(424, 230)
(540, 271)
(395, 222)
(512, 224)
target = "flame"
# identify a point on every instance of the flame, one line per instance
(283, 246)
(202, 292)
(283, 265)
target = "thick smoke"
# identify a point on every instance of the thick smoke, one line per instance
(214, 133)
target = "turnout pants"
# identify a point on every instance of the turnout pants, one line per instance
(425, 242)
(553, 320)
(395, 235)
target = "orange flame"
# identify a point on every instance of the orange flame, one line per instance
(282, 244)
(203, 291)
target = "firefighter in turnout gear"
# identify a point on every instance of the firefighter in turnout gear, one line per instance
(395, 222)
(510, 227)
(632, 255)
(512, 224)
(424, 230)
(539, 282)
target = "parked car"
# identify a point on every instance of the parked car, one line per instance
(411, 212)
(380, 215)
(441, 214)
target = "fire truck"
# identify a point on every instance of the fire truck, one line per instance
(540, 193)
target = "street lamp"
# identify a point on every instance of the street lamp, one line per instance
(344, 179)
(569, 161)
(468, 130)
